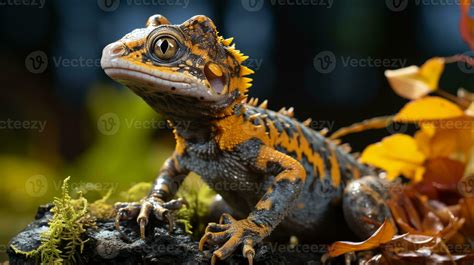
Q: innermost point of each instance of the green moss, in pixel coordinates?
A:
(62, 242)
(199, 197)
(137, 192)
(101, 209)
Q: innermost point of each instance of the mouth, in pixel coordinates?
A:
(155, 81)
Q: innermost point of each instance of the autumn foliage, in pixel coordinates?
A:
(434, 212)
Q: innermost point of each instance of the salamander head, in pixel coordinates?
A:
(185, 70)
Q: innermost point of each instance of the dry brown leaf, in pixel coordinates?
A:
(384, 234)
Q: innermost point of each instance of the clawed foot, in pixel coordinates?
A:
(142, 210)
(231, 233)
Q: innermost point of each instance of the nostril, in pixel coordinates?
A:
(116, 49)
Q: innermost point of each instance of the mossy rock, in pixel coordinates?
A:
(106, 245)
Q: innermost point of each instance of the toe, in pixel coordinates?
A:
(228, 248)
(213, 227)
(248, 251)
(226, 219)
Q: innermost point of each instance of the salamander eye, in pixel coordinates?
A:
(165, 48)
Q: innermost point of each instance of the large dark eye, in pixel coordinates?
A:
(165, 48)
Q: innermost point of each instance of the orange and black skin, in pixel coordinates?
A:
(278, 176)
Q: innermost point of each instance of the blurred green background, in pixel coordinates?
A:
(66, 118)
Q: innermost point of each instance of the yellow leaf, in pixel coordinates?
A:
(397, 154)
(450, 138)
(383, 235)
(431, 71)
(428, 108)
(414, 82)
(470, 110)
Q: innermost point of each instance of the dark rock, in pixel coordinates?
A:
(106, 245)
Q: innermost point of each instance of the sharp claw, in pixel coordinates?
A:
(204, 240)
(250, 258)
(248, 251)
(117, 220)
(214, 259)
(170, 219)
(142, 222)
(175, 204)
(226, 219)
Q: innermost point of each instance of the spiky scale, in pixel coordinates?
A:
(290, 112)
(264, 104)
(346, 147)
(228, 41)
(244, 70)
(254, 116)
(307, 122)
(255, 103)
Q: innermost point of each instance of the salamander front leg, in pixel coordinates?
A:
(158, 201)
(229, 234)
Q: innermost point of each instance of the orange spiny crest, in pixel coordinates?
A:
(244, 82)
(287, 112)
